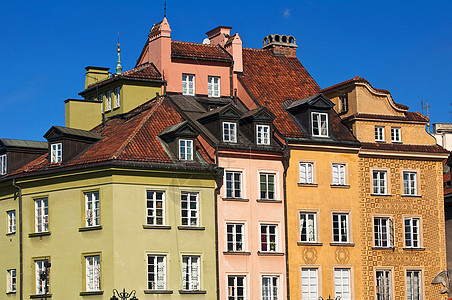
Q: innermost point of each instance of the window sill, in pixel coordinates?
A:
(270, 253)
(413, 249)
(412, 196)
(158, 291)
(268, 201)
(236, 253)
(35, 234)
(192, 292)
(116, 108)
(381, 195)
(156, 227)
(10, 293)
(308, 184)
(383, 248)
(382, 141)
(92, 293)
(236, 199)
(397, 142)
(90, 228)
(191, 228)
(11, 233)
(343, 244)
(341, 186)
(309, 244)
(40, 296)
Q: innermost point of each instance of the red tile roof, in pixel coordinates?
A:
(409, 116)
(199, 51)
(403, 147)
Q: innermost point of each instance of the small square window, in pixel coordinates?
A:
(306, 172)
(379, 134)
(410, 183)
(229, 132)
(379, 182)
(213, 86)
(56, 153)
(3, 164)
(185, 149)
(263, 134)
(396, 134)
(188, 84)
(235, 237)
(320, 124)
(308, 227)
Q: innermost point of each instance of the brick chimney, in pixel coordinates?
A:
(219, 35)
(281, 45)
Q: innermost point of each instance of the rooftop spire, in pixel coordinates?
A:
(164, 10)
(118, 65)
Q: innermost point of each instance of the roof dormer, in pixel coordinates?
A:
(17, 153)
(223, 122)
(181, 139)
(257, 125)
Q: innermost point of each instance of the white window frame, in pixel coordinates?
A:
(40, 287)
(117, 97)
(263, 134)
(321, 119)
(338, 174)
(185, 149)
(192, 217)
(11, 221)
(3, 164)
(412, 230)
(56, 152)
(383, 232)
(12, 281)
(410, 285)
(409, 183)
(265, 186)
(108, 105)
(92, 209)
(41, 215)
(191, 277)
(92, 273)
(155, 208)
(342, 283)
(311, 235)
(384, 289)
(229, 132)
(309, 282)
(396, 134)
(156, 268)
(341, 225)
(188, 84)
(213, 88)
(235, 189)
(270, 287)
(306, 172)
(380, 182)
(234, 289)
(235, 237)
(379, 133)
(265, 232)
(101, 99)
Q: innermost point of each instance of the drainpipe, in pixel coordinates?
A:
(21, 254)
(216, 193)
(231, 79)
(286, 157)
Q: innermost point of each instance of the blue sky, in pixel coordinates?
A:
(402, 46)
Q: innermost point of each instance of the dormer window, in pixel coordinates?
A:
(343, 101)
(117, 97)
(213, 86)
(229, 132)
(108, 100)
(56, 153)
(185, 149)
(263, 134)
(188, 84)
(319, 124)
(3, 164)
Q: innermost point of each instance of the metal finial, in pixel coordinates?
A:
(118, 65)
(428, 115)
(164, 10)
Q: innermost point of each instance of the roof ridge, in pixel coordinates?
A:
(196, 44)
(140, 125)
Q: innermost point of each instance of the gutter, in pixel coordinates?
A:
(21, 252)
(286, 158)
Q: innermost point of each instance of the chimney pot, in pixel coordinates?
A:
(281, 45)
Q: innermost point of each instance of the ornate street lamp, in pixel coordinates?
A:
(123, 295)
(329, 298)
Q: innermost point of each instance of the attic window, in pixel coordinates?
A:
(213, 86)
(229, 132)
(263, 134)
(343, 103)
(3, 164)
(56, 153)
(185, 149)
(188, 84)
(319, 124)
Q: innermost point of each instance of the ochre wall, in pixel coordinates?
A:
(82, 115)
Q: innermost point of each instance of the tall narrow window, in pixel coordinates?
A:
(338, 174)
(270, 289)
(185, 149)
(235, 237)
(11, 221)
(190, 209)
(343, 101)
(117, 97)
(155, 204)
(108, 101)
(191, 273)
(156, 272)
(92, 272)
(413, 285)
(412, 236)
(267, 186)
(396, 136)
(269, 238)
(92, 209)
(309, 283)
(383, 232)
(379, 182)
(263, 134)
(236, 287)
(384, 285)
(233, 184)
(409, 183)
(340, 228)
(3, 164)
(188, 84)
(41, 277)
(379, 134)
(229, 132)
(213, 86)
(308, 227)
(41, 215)
(12, 281)
(342, 283)
(319, 124)
(56, 153)
(306, 173)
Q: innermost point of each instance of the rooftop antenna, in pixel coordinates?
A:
(164, 10)
(118, 65)
(428, 115)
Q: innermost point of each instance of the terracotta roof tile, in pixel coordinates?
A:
(404, 147)
(409, 116)
(199, 51)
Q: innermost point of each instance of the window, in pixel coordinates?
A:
(11, 221)
(338, 174)
(412, 233)
(342, 283)
(3, 164)
(156, 272)
(236, 287)
(56, 153)
(101, 99)
(379, 134)
(12, 281)
(379, 182)
(308, 227)
(190, 273)
(92, 209)
(306, 173)
(319, 124)
(270, 288)
(41, 215)
(235, 237)
(42, 277)
(269, 238)
(340, 228)
(343, 101)
(267, 186)
(233, 184)
(190, 210)
(309, 284)
(108, 101)
(413, 285)
(117, 97)
(263, 134)
(188, 84)
(155, 205)
(185, 149)
(383, 232)
(384, 286)
(213, 86)
(92, 272)
(229, 132)
(396, 136)
(409, 183)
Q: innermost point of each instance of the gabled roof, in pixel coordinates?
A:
(260, 113)
(71, 132)
(318, 100)
(409, 116)
(228, 110)
(23, 144)
(199, 51)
